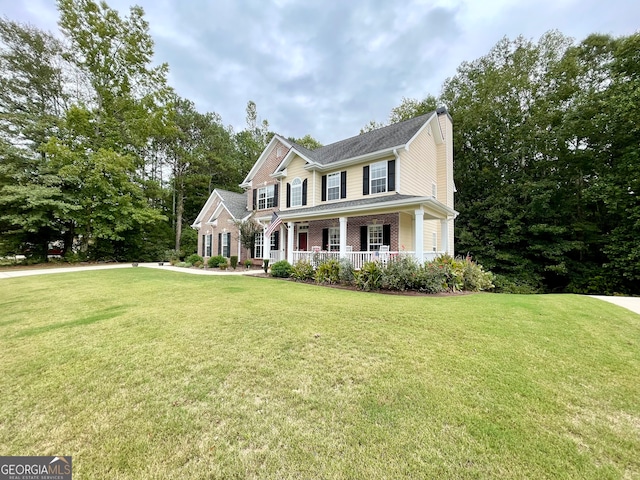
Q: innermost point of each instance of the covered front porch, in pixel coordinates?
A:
(420, 227)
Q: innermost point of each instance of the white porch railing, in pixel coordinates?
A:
(276, 256)
(358, 259)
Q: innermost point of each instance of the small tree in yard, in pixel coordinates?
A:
(247, 230)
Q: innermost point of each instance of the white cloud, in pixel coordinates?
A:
(327, 68)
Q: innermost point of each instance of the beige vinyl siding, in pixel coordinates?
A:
(445, 163)
(431, 226)
(418, 165)
(407, 232)
(295, 169)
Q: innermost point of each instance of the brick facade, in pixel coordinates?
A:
(353, 229)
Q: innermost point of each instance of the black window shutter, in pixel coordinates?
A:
(288, 194)
(255, 198)
(325, 239)
(220, 244)
(228, 244)
(365, 180)
(386, 235)
(277, 240)
(343, 184)
(364, 241)
(304, 192)
(391, 175)
(204, 245)
(275, 195)
(324, 187)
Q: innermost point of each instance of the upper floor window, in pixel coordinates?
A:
(379, 177)
(266, 197)
(333, 186)
(296, 193)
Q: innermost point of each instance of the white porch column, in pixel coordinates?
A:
(419, 240)
(444, 235)
(290, 242)
(343, 237)
(266, 245)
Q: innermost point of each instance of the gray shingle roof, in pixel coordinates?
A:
(373, 141)
(236, 203)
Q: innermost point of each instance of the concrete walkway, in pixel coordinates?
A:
(193, 271)
(630, 303)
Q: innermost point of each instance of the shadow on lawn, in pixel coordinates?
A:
(106, 314)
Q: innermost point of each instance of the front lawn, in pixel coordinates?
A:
(141, 373)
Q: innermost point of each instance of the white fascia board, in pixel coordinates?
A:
(263, 156)
(217, 211)
(206, 207)
(279, 174)
(424, 125)
(289, 157)
(387, 152)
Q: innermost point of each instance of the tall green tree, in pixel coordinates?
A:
(33, 99)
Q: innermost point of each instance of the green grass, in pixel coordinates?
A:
(154, 374)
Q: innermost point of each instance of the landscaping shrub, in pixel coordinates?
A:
(452, 270)
(172, 256)
(346, 274)
(430, 278)
(328, 271)
(216, 261)
(248, 263)
(506, 285)
(400, 274)
(475, 279)
(234, 261)
(303, 270)
(281, 269)
(265, 265)
(183, 264)
(194, 258)
(369, 277)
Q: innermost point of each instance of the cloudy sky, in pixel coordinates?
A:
(328, 67)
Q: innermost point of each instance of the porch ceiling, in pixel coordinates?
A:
(374, 205)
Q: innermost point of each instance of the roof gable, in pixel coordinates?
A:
(263, 158)
(234, 203)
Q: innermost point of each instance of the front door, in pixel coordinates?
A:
(302, 241)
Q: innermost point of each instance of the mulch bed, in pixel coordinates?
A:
(405, 293)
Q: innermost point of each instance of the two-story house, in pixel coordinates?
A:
(377, 194)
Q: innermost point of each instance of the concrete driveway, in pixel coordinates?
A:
(192, 271)
(630, 303)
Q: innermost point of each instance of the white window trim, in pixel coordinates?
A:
(370, 228)
(334, 233)
(371, 179)
(264, 194)
(208, 242)
(296, 186)
(334, 187)
(258, 247)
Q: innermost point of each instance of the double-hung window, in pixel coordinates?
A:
(379, 177)
(376, 237)
(258, 252)
(266, 197)
(334, 239)
(296, 193)
(207, 246)
(333, 186)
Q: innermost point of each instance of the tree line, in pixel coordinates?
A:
(547, 161)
